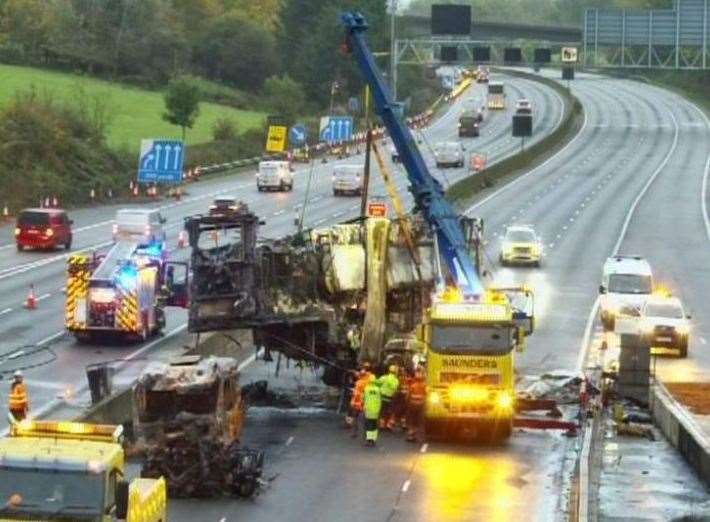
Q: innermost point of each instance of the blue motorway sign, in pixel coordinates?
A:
(297, 135)
(334, 129)
(161, 161)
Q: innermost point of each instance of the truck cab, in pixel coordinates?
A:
(627, 282)
(470, 379)
(496, 95)
(469, 125)
(274, 175)
(68, 471)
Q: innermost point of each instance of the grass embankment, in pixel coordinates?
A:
(133, 113)
(693, 85)
(518, 164)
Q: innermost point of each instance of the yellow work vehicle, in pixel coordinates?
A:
(470, 363)
(69, 471)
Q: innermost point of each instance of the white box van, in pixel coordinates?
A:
(274, 175)
(143, 225)
(627, 282)
(348, 179)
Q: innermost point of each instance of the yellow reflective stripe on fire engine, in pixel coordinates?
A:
(77, 287)
(127, 313)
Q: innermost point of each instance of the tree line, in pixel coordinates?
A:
(239, 43)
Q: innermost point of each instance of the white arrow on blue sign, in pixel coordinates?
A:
(297, 135)
(335, 129)
(161, 161)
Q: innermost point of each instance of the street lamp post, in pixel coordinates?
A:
(392, 7)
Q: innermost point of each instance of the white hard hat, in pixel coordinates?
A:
(18, 373)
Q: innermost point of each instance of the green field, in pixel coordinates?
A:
(133, 113)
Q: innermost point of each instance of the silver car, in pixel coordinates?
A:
(449, 154)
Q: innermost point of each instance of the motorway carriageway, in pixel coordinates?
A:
(59, 371)
(630, 182)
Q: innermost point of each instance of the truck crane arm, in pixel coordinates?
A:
(427, 191)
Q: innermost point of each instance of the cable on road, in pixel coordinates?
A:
(25, 351)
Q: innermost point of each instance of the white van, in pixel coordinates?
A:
(143, 225)
(348, 179)
(627, 282)
(274, 175)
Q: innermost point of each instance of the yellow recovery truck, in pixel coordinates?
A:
(470, 349)
(72, 472)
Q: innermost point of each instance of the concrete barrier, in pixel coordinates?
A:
(679, 427)
(118, 408)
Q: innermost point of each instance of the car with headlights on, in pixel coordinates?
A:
(665, 324)
(627, 282)
(521, 246)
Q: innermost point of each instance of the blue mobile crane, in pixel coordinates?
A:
(469, 333)
(426, 189)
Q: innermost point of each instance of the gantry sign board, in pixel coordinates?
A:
(161, 161)
(569, 55)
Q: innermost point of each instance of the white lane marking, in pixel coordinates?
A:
(279, 212)
(405, 486)
(51, 338)
(289, 441)
(584, 348)
(703, 198)
(43, 297)
(536, 169)
(424, 447)
(582, 356)
(20, 269)
(47, 407)
(645, 188)
(6, 311)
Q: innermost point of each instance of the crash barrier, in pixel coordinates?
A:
(458, 90)
(534, 155)
(582, 500)
(316, 150)
(681, 430)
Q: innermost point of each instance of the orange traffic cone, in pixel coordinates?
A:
(181, 239)
(31, 303)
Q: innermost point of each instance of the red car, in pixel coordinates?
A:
(44, 228)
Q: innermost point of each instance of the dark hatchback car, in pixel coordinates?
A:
(43, 228)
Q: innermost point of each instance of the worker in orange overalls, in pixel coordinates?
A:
(19, 403)
(357, 399)
(400, 399)
(415, 404)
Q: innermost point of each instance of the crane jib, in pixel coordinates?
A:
(428, 192)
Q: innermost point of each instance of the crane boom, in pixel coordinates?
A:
(426, 189)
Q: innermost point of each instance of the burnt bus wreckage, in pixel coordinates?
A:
(333, 294)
